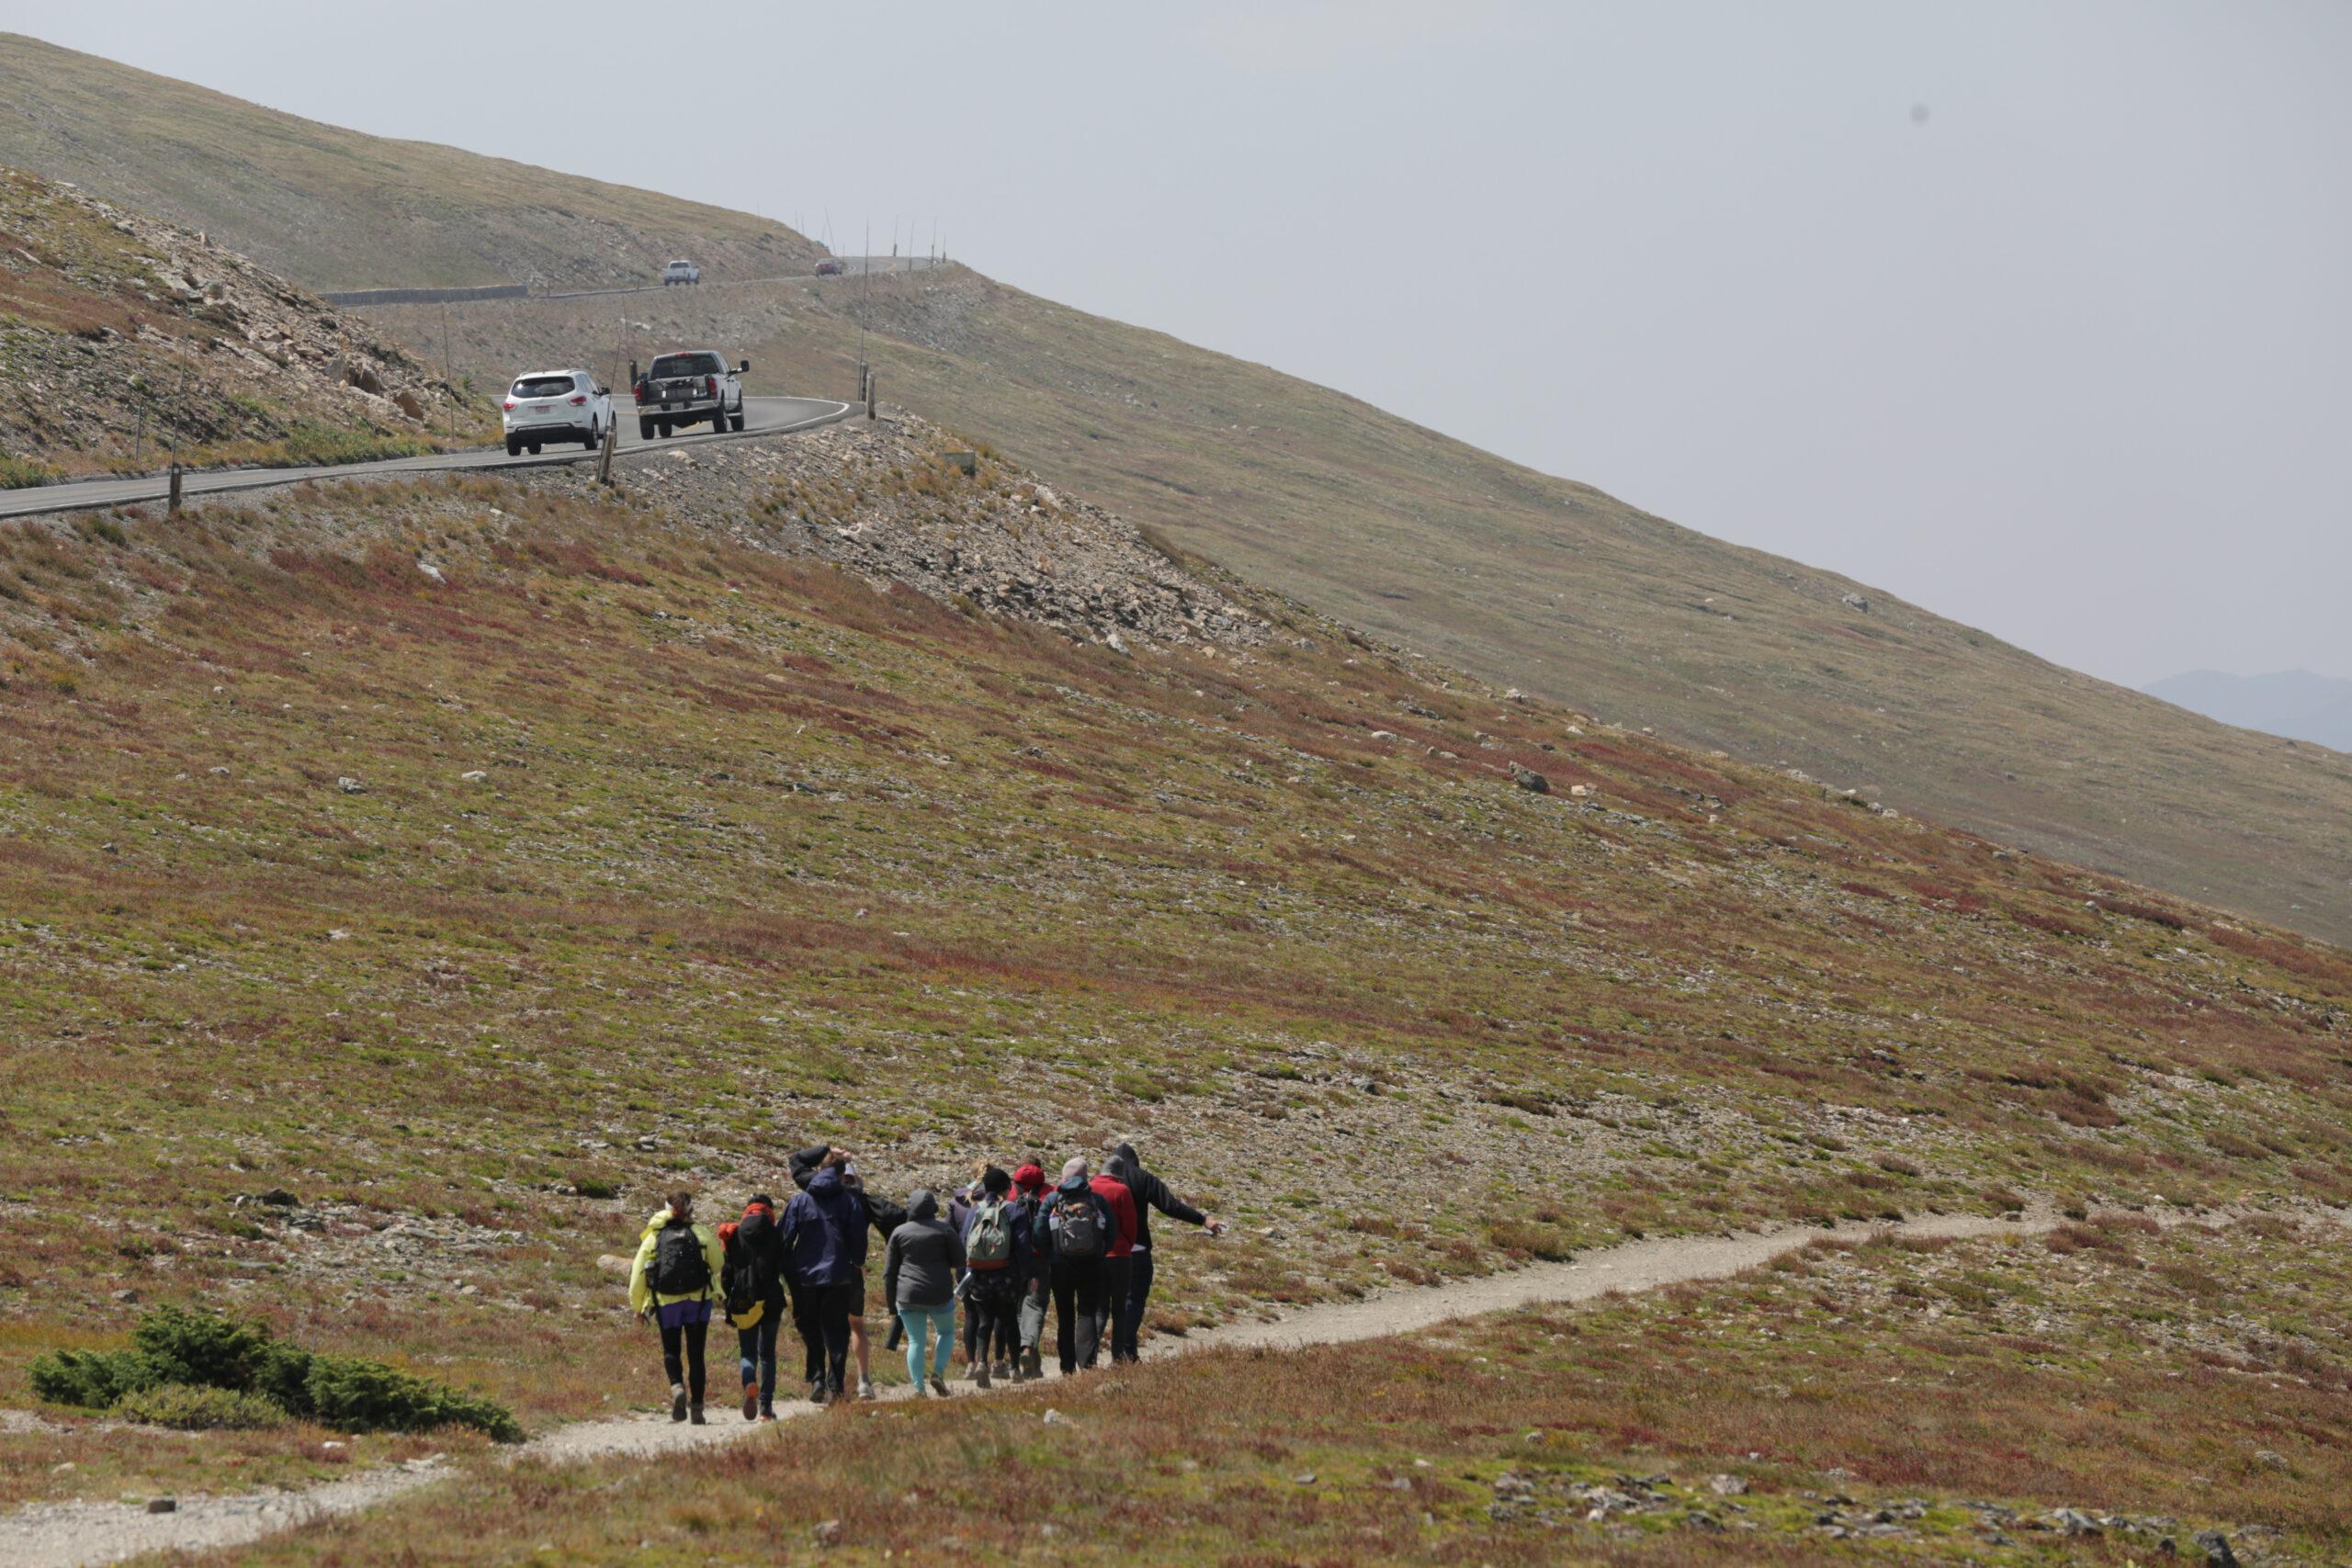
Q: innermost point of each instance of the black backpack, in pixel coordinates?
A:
(679, 1267)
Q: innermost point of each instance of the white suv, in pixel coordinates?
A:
(556, 405)
(681, 270)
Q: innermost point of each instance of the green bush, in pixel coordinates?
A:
(346, 1391)
(198, 1368)
(194, 1409)
(201, 1348)
(92, 1380)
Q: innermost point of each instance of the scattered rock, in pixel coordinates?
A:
(1727, 1486)
(474, 776)
(162, 1505)
(1855, 602)
(827, 1534)
(350, 786)
(613, 1263)
(2216, 1547)
(1530, 780)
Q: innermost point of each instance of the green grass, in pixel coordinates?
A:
(2165, 1384)
(760, 855)
(22, 473)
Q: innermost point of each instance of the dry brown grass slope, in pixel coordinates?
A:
(338, 208)
(1526, 578)
(1546, 585)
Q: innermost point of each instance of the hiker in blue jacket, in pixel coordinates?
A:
(824, 1240)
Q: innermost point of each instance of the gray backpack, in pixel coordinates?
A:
(1078, 1227)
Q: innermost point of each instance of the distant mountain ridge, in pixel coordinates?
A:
(338, 208)
(2296, 704)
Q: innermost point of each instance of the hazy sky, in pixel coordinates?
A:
(2039, 314)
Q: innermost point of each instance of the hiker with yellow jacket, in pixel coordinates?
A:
(672, 1284)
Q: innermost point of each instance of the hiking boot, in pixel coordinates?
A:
(767, 1411)
(751, 1402)
(980, 1373)
(1031, 1360)
(817, 1393)
(939, 1387)
(677, 1402)
(696, 1416)
(865, 1388)
(1003, 1369)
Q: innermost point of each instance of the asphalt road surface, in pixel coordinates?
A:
(763, 416)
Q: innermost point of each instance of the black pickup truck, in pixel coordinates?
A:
(690, 387)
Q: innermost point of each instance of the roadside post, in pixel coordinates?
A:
(173, 506)
(870, 379)
(604, 457)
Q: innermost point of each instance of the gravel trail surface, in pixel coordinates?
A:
(74, 1535)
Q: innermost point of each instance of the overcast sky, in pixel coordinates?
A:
(2038, 314)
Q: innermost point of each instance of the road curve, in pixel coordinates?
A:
(763, 416)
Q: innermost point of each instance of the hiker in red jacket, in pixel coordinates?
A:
(1119, 1261)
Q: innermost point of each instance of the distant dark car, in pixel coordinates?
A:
(829, 268)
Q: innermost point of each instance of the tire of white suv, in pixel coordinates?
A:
(514, 447)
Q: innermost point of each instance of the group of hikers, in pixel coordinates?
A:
(1008, 1245)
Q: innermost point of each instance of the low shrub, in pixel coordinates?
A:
(346, 1391)
(192, 1408)
(199, 1369)
(91, 1379)
(200, 1347)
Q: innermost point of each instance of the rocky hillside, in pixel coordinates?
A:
(339, 210)
(124, 340)
(1527, 580)
(1542, 583)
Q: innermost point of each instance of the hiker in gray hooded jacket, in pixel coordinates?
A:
(919, 1268)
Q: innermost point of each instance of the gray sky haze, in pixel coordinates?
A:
(2036, 314)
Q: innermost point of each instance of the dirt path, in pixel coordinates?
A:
(71, 1535)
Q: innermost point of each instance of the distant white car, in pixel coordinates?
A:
(556, 405)
(681, 270)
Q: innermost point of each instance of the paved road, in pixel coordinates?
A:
(763, 416)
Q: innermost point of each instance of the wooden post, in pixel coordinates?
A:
(870, 379)
(175, 503)
(604, 457)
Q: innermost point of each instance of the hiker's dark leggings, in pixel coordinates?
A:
(1081, 1290)
(832, 1324)
(694, 1334)
(1126, 1307)
(805, 1321)
(1116, 1271)
(991, 1314)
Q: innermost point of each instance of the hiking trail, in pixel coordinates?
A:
(75, 1535)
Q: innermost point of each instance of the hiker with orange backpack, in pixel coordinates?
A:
(671, 1283)
(753, 1281)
